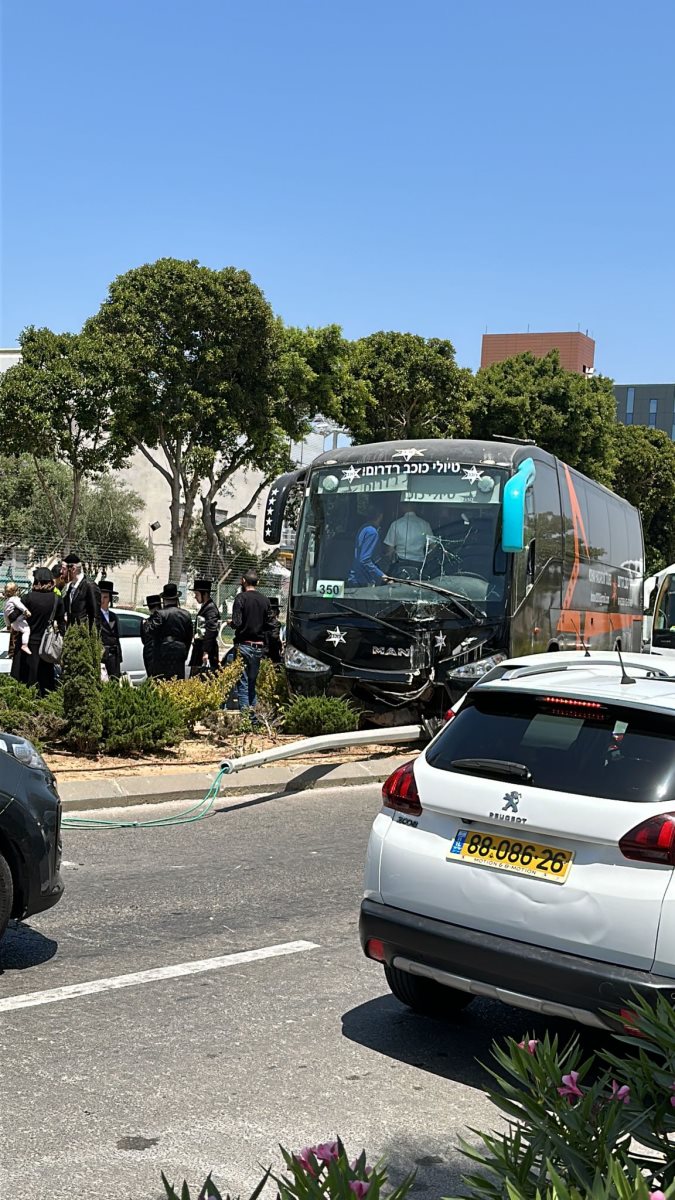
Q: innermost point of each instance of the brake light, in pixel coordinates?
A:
(563, 706)
(653, 841)
(449, 715)
(400, 791)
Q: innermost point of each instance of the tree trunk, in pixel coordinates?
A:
(72, 516)
(178, 539)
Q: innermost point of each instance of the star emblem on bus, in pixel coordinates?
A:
(439, 641)
(472, 475)
(408, 454)
(351, 474)
(335, 636)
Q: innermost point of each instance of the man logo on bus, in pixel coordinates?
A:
(512, 801)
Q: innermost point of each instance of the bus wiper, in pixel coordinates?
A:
(493, 766)
(466, 607)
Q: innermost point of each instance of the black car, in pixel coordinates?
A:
(30, 832)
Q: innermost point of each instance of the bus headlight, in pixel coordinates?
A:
(470, 672)
(296, 660)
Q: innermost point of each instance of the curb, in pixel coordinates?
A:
(191, 786)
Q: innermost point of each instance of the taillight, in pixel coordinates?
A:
(449, 714)
(375, 949)
(400, 791)
(652, 841)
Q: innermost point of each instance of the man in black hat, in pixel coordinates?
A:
(81, 599)
(149, 637)
(206, 628)
(172, 626)
(109, 629)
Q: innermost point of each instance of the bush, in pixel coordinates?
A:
(82, 702)
(272, 694)
(312, 1173)
(25, 713)
(195, 698)
(601, 1125)
(313, 715)
(136, 720)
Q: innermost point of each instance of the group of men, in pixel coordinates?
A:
(169, 631)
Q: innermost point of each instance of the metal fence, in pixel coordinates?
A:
(135, 581)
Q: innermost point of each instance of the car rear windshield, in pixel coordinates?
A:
(585, 747)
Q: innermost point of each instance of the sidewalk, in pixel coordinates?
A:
(190, 786)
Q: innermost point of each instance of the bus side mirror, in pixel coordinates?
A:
(513, 507)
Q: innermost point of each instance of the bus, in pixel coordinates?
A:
(420, 565)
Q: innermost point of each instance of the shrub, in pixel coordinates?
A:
(573, 1119)
(82, 702)
(313, 1173)
(23, 712)
(273, 694)
(136, 720)
(195, 698)
(313, 715)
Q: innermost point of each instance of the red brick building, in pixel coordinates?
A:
(577, 350)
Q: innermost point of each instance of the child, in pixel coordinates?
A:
(15, 613)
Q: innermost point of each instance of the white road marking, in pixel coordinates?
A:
(75, 990)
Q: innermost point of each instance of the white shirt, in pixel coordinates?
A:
(408, 537)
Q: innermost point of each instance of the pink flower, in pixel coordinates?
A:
(657, 1196)
(570, 1086)
(622, 1094)
(359, 1188)
(326, 1152)
(302, 1157)
(530, 1046)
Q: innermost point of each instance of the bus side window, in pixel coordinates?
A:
(549, 523)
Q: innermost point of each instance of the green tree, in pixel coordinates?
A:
(56, 401)
(106, 531)
(314, 378)
(570, 415)
(414, 389)
(645, 475)
(197, 381)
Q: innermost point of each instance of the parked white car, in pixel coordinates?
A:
(528, 854)
(130, 637)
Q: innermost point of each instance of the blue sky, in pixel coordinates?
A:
(438, 166)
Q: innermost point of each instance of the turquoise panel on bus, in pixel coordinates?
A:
(513, 507)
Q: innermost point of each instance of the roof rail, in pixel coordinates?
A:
(528, 670)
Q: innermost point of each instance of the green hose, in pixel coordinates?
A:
(196, 813)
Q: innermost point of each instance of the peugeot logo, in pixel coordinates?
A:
(511, 801)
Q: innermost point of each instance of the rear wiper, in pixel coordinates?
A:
(466, 607)
(493, 766)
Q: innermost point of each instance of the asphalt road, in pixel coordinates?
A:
(212, 1070)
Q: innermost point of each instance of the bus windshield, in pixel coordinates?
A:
(371, 535)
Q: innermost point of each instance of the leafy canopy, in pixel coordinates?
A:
(570, 415)
(414, 388)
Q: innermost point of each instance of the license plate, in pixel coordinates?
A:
(517, 855)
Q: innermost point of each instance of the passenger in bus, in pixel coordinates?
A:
(407, 539)
(367, 550)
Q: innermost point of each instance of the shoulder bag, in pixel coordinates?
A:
(51, 646)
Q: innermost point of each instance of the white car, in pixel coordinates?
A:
(130, 638)
(528, 854)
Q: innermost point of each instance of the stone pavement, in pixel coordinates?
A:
(118, 792)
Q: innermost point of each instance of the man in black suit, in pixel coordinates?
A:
(206, 627)
(82, 598)
(172, 627)
(149, 637)
(110, 632)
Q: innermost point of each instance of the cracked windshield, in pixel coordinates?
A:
(381, 537)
